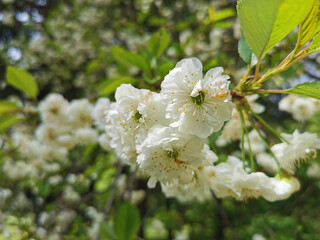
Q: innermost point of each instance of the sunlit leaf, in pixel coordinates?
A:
(307, 89)
(223, 14)
(266, 22)
(315, 45)
(105, 180)
(7, 106)
(308, 26)
(22, 80)
(128, 58)
(158, 42)
(7, 120)
(92, 66)
(165, 68)
(211, 13)
(110, 85)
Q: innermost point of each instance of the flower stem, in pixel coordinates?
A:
(252, 165)
(242, 137)
(271, 129)
(280, 91)
(263, 139)
(257, 69)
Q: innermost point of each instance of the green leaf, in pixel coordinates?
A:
(315, 45)
(164, 41)
(105, 180)
(106, 232)
(153, 43)
(110, 85)
(44, 189)
(92, 66)
(150, 79)
(223, 14)
(317, 29)
(6, 121)
(244, 50)
(307, 89)
(7, 106)
(264, 23)
(158, 43)
(308, 26)
(128, 58)
(164, 68)
(22, 80)
(211, 13)
(126, 221)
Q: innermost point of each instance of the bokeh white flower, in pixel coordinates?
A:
(302, 147)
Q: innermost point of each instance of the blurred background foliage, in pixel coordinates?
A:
(86, 49)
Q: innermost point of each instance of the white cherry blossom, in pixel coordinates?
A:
(314, 170)
(79, 113)
(85, 136)
(230, 179)
(197, 105)
(199, 189)
(168, 155)
(139, 110)
(122, 143)
(98, 112)
(301, 108)
(303, 146)
(268, 163)
(53, 109)
(280, 188)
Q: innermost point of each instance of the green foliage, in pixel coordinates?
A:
(7, 106)
(308, 26)
(7, 120)
(244, 50)
(164, 69)
(105, 180)
(44, 189)
(89, 49)
(307, 89)
(265, 23)
(315, 45)
(106, 231)
(126, 221)
(22, 80)
(110, 85)
(128, 58)
(223, 14)
(158, 43)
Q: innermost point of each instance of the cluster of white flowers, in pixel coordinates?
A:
(43, 153)
(301, 108)
(164, 136)
(64, 125)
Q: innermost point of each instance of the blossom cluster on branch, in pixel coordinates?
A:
(165, 134)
